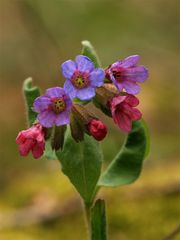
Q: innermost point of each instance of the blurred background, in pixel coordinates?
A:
(36, 36)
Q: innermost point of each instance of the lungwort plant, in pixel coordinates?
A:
(61, 127)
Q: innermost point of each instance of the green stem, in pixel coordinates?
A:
(87, 210)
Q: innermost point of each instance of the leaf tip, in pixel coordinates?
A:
(85, 43)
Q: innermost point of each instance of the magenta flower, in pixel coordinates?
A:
(81, 77)
(123, 111)
(53, 108)
(31, 139)
(125, 74)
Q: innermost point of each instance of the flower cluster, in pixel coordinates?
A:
(112, 90)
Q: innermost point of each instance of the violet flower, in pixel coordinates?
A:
(124, 112)
(125, 74)
(53, 108)
(81, 77)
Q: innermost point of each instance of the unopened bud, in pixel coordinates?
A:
(57, 137)
(97, 129)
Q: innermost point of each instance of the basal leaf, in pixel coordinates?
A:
(81, 162)
(98, 221)
(126, 167)
(89, 51)
(30, 94)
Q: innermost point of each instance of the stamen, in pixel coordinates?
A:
(80, 80)
(58, 105)
(117, 75)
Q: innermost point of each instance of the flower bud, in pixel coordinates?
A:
(97, 129)
(57, 137)
(80, 117)
(31, 139)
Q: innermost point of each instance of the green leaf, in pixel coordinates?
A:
(81, 162)
(126, 167)
(89, 51)
(30, 94)
(98, 221)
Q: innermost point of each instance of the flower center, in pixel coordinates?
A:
(80, 80)
(117, 75)
(58, 105)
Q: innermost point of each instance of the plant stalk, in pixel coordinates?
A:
(87, 210)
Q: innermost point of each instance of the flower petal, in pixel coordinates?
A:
(38, 149)
(119, 86)
(131, 87)
(41, 103)
(115, 102)
(25, 148)
(130, 61)
(136, 114)
(62, 119)
(135, 74)
(86, 93)
(68, 68)
(47, 118)
(132, 100)
(84, 64)
(68, 102)
(54, 92)
(97, 77)
(124, 122)
(21, 137)
(70, 89)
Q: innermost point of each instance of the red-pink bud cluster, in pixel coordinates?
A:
(31, 139)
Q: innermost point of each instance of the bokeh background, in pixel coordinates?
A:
(36, 36)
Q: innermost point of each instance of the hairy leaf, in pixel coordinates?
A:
(126, 167)
(30, 94)
(81, 162)
(89, 51)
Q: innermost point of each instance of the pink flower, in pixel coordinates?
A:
(126, 74)
(31, 139)
(97, 129)
(123, 111)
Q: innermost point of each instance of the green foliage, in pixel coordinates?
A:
(98, 221)
(81, 162)
(30, 94)
(89, 51)
(126, 166)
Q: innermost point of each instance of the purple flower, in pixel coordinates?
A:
(81, 77)
(125, 74)
(53, 108)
